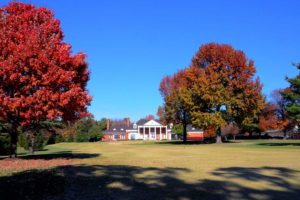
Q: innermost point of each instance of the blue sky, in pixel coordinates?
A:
(132, 45)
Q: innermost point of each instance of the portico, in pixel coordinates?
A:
(153, 130)
(142, 130)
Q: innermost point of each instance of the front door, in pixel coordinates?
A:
(152, 136)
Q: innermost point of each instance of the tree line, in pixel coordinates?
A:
(86, 129)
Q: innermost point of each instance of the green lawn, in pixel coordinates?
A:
(260, 169)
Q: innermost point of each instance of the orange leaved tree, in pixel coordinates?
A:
(177, 99)
(271, 120)
(226, 92)
(216, 90)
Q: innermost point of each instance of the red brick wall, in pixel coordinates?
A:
(195, 136)
(157, 136)
(106, 138)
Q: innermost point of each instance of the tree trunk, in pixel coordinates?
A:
(233, 137)
(284, 134)
(225, 138)
(31, 145)
(184, 133)
(219, 136)
(13, 142)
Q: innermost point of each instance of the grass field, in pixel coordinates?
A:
(260, 169)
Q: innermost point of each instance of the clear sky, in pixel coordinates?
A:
(131, 45)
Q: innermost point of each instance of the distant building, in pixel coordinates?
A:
(194, 134)
(142, 130)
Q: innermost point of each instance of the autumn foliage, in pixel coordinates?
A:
(149, 117)
(217, 89)
(161, 115)
(269, 120)
(40, 78)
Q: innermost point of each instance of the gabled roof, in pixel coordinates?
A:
(152, 123)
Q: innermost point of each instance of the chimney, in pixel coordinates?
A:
(107, 124)
(127, 121)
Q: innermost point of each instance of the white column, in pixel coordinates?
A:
(155, 131)
(148, 133)
(144, 132)
(160, 133)
(167, 133)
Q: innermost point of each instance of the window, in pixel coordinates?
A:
(117, 137)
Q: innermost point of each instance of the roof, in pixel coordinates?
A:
(113, 132)
(141, 122)
(119, 128)
(122, 127)
(151, 122)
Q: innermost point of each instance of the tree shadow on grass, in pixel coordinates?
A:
(131, 182)
(279, 144)
(195, 142)
(60, 154)
(181, 142)
(272, 177)
(55, 155)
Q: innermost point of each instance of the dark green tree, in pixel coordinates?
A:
(292, 97)
(88, 129)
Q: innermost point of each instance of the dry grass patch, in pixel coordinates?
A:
(13, 165)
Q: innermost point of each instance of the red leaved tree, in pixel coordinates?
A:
(270, 120)
(40, 79)
(148, 117)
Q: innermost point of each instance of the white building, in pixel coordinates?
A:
(142, 130)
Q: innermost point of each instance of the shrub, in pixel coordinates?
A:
(82, 137)
(69, 133)
(84, 130)
(51, 139)
(69, 138)
(95, 134)
(4, 144)
(59, 138)
(23, 141)
(39, 142)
